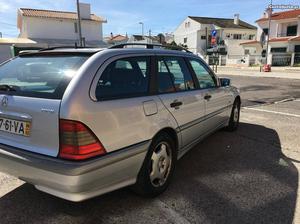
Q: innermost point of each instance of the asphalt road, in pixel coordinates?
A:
(265, 90)
(249, 176)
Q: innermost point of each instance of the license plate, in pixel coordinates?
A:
(15, 126)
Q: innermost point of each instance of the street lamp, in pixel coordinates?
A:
(141, 23)
(270, 9)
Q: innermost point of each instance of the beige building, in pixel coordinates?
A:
(60, 27)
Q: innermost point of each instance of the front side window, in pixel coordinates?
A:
(124, 78)
(39, 76)
(173, 75)
(204, 77)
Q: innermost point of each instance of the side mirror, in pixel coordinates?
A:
(224, 82)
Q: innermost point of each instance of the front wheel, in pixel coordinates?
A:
(158, 167)
(234, 117)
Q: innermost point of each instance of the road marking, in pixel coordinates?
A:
(273, 112)
(285, 100)
(171, 213)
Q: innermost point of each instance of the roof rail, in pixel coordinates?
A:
(151, 46)
(62, 47)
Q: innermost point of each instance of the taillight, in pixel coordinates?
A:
(77, 141)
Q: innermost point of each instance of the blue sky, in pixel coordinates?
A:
(124, 15)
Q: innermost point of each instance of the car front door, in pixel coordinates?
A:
(179, 94)
(218, 100)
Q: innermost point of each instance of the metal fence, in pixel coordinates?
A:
(297, 59)
(281, 59)
(213, 60)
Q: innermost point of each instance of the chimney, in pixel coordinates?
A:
(85, 10)
(111, 35)
(236, 19)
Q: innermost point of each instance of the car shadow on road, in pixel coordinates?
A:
(239, 177)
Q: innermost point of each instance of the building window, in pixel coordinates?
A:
(266, 31)
(75, 28)
(187, 24)
(247, 51)
(237, 36)
(203, 37)
(185, 40)
(278, 50)
(251, 37)
(292, 30)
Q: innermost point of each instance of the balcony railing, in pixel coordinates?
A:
(286, 34)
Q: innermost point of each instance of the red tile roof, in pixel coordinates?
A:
(283, 15)
(56, 14)
(119, 38)
(280, 39)
(295, 39)
(250, 42)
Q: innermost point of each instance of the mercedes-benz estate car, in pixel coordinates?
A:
(77, 123)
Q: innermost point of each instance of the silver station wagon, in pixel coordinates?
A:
(77, 122)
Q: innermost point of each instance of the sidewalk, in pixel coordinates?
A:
(277, 72)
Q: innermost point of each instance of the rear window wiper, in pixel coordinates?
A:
(7, 88)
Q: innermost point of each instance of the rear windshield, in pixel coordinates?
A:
(39, 76)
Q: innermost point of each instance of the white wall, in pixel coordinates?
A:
(195, 30)
(5, 53)
(191, 33)
(59, 29)
(278, 27)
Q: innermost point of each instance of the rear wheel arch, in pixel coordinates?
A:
(172, 133)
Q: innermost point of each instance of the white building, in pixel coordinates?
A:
(59, 27)
(195, 32)
(143, 39)
(284, 38)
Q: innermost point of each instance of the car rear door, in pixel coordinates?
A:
(218, 100)
(178, 92)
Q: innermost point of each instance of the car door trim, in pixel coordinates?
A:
(204, 118)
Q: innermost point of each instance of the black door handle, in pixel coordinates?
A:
(176, 104)
(207, 97)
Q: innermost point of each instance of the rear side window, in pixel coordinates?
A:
(39, 76)
(203, 75)
(173, 75)
(124, 78)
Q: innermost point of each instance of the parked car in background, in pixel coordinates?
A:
(78, 123)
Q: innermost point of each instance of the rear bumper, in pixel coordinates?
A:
(75, 181)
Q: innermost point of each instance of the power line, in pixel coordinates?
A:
(8, 24)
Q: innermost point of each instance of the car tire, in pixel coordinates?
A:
(234, 116)
(158, 167)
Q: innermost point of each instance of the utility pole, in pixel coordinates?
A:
(79, 24)
(206, 39)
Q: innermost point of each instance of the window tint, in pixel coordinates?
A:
(40, 76)
(173, 75)
(124, 77)
(204, 77)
